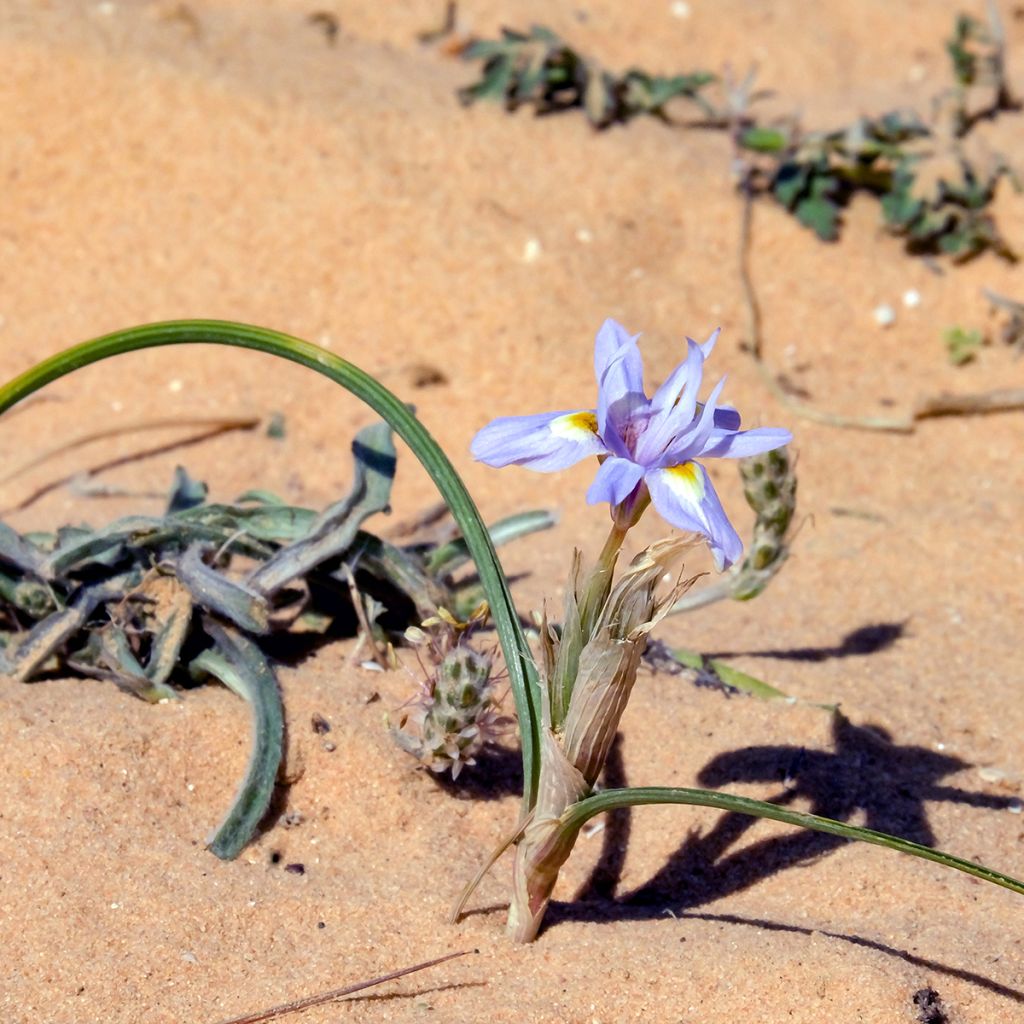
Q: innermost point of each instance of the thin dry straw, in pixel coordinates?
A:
(326, 997)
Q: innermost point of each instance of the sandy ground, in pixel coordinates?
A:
(164, 160)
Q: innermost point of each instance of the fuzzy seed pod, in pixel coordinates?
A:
(769, 483)
(455, 714)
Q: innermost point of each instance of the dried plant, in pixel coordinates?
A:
(456, 712)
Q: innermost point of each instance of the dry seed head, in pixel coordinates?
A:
(455, 713)
(769, 483)
(610, 656)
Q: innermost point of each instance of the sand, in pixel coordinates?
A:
(202, 159)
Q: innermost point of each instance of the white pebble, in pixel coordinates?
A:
(584, 236)
(189, 957)
(911, 298)
(531, 251)
(116, 405)
(679, 9)
(885, 316)
(175, 385)
(106, 8)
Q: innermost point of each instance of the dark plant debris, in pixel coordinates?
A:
(929, 1007)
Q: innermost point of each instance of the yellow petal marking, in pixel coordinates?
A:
(686, 480)
(577, 426)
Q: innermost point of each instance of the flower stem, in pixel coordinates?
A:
(612, 546)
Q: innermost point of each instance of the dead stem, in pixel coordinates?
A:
(135, 427)
(214, 427)
(326, 997)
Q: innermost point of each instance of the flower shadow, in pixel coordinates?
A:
(860, 642)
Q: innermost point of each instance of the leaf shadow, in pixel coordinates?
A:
(865, 777)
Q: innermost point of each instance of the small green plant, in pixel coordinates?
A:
(538, 69)
(962, 345)
(568, 706)
(939, 202)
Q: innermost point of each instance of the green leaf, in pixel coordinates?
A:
(239, 664)
(820, 215)
(899, 207)
(729, 676)
(611, 799)
(764, 140)
(790, 181)
(185, 492)
(240, 603)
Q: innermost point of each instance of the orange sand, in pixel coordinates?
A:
(164, 159)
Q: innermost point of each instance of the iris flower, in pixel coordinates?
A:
(647, 447)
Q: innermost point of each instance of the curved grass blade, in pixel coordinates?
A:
(611, 799)
(521, 669)
(239, 664)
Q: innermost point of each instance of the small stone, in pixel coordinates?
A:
(295, 869)
(531, 250)
(679, 9)
(885, 316)
(584, 236)
(174, 386)
(911, 298)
